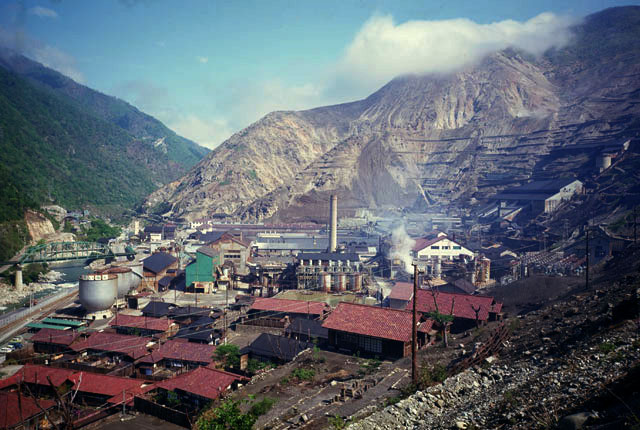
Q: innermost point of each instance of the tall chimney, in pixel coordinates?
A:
(333, 238)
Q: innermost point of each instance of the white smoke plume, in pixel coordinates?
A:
(401, 247)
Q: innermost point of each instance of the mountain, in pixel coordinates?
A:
(141, 126)
(428, 141)
(65, 143)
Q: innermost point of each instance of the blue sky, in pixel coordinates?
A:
(210, 68)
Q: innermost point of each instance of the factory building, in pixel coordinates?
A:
(538, 196)
(439, 247)
(329, 271)
(231, 250)
(157, 267)
(200, 272)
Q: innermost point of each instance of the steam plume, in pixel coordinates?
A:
(401, 247)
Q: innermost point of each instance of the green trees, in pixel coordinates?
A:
(228, 355)
(228, 415)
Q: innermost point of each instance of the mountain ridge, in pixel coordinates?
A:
(425, 140)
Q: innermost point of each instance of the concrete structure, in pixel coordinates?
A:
(312, 270)
(333, 230)
(98, 292)
(18, 281)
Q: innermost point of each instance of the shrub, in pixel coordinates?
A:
(262, 407)
(302, 374)
(606, 347)
(225, 416)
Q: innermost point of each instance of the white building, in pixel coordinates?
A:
(441, 246)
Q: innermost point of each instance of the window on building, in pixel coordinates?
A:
(457, 247)
(445, 247)
(370, 344)
(435, 246)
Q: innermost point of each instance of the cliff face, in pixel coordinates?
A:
(39, 226)
(426, 140)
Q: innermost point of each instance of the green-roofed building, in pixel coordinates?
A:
(200, 272)
(33, 327)
(63, 322)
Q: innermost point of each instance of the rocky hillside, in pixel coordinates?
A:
(574, 363)
(426, 140)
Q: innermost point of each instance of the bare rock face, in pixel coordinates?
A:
(425, 140)
(39, 226)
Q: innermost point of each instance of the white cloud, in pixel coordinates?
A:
(209, 132)
(203, 60)
(43, 12)
(48, 55)
(383, 49)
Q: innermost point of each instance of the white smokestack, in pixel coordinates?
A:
(333, 234)
(402, 246)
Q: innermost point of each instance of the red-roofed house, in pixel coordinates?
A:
(400, 295)
(37, 378)
(440, 246)
(177, 354)
(277, 309)
(159, 328)
(468, 310)
(52, 341)
(372, 330)
(202, 385)
(21, 412)
(116, 346)
(96, 389)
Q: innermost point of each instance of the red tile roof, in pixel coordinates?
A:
(181, 350)
(288, 306)
(203, 381)
(148, 323)
(10, 409)
(372, 321)
(36, 374)
(57, 337)
(132, 346)
(402, 291)
(463, 304)
(106, 385)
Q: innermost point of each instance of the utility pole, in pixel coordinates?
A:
(414, 328)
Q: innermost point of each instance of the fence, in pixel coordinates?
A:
(167, 414)
(6, 320)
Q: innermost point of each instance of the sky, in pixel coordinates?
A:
(208, 69)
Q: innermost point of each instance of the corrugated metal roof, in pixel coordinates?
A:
(288, 306)
(158, 262)
(278, 347)
(203, 381)
(463, 304)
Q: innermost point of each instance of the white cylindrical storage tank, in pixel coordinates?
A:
(98, 292)
(125, 279)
